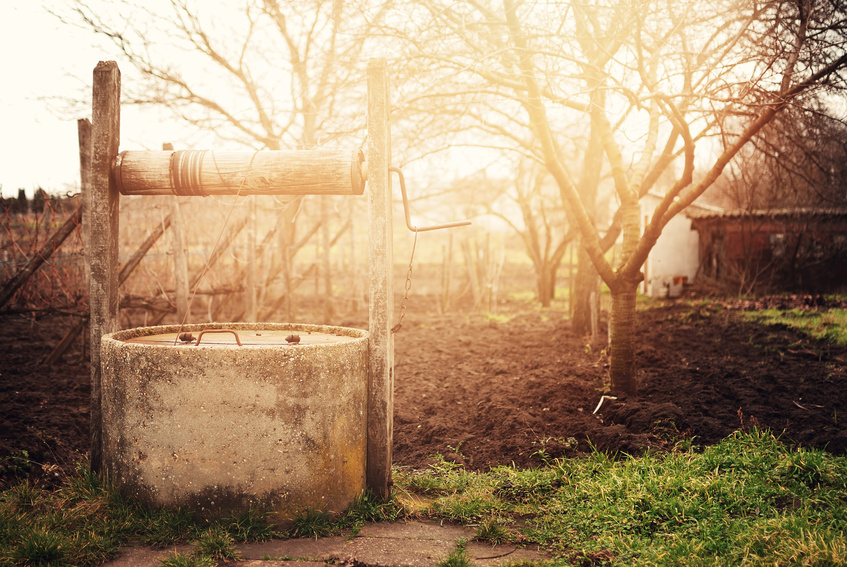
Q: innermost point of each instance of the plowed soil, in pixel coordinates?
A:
(485, 392)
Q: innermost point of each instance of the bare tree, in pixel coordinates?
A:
(798, 160)
(264, 74)
(542, 225)
(650, 81)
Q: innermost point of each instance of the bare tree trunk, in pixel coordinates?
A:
(446, 268)
(587, 278)
(469, 250)
(545, 279)
(623, 316)
(587, 283)
(595, 321)
(622, 340)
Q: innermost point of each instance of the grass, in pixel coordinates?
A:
(750, 500)
(84, 522)
(458, 557)
(829, 326)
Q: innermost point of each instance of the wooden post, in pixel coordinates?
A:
(102, 206)
(180, 256)
(380, 273)
(84, 136)
(198, 276)
(471, 252)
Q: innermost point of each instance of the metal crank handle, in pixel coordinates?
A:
(408, 214)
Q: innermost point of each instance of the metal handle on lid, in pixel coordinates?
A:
(237, 340)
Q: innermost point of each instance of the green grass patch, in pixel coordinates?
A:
(829, 326)
(749, 500)
(457, 558)
(85, 521)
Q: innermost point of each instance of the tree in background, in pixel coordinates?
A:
(798, 160)
(649, 82)
(541, 223)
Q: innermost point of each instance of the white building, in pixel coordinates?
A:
(675, 258)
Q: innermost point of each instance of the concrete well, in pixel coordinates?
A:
(273, 425)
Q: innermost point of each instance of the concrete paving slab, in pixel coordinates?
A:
(410, 544)
(312, 549)
(416, 530)
(390, 552)
(145, 556)
(260, 563)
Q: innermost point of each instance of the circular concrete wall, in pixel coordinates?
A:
(277, 425)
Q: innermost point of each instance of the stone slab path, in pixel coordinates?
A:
(411, 544)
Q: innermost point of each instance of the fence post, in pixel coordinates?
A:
(103, 211)
(84, 136)
(381, 274)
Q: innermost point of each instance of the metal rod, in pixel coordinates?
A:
(408, 213)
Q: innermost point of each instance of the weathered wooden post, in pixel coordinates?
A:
(380, 272)
(84, 136)
(102, 208)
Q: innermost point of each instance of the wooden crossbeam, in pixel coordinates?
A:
(206, 172)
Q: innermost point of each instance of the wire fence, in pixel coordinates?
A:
(235, 246)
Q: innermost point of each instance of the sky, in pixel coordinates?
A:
(43, 61)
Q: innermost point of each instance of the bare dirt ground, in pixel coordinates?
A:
(486, 392)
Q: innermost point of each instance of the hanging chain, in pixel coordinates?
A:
(408, 286)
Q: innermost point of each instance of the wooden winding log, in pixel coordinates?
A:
(206, 172)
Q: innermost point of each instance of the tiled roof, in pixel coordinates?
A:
(804, 212)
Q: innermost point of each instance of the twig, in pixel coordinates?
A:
(600, 403)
